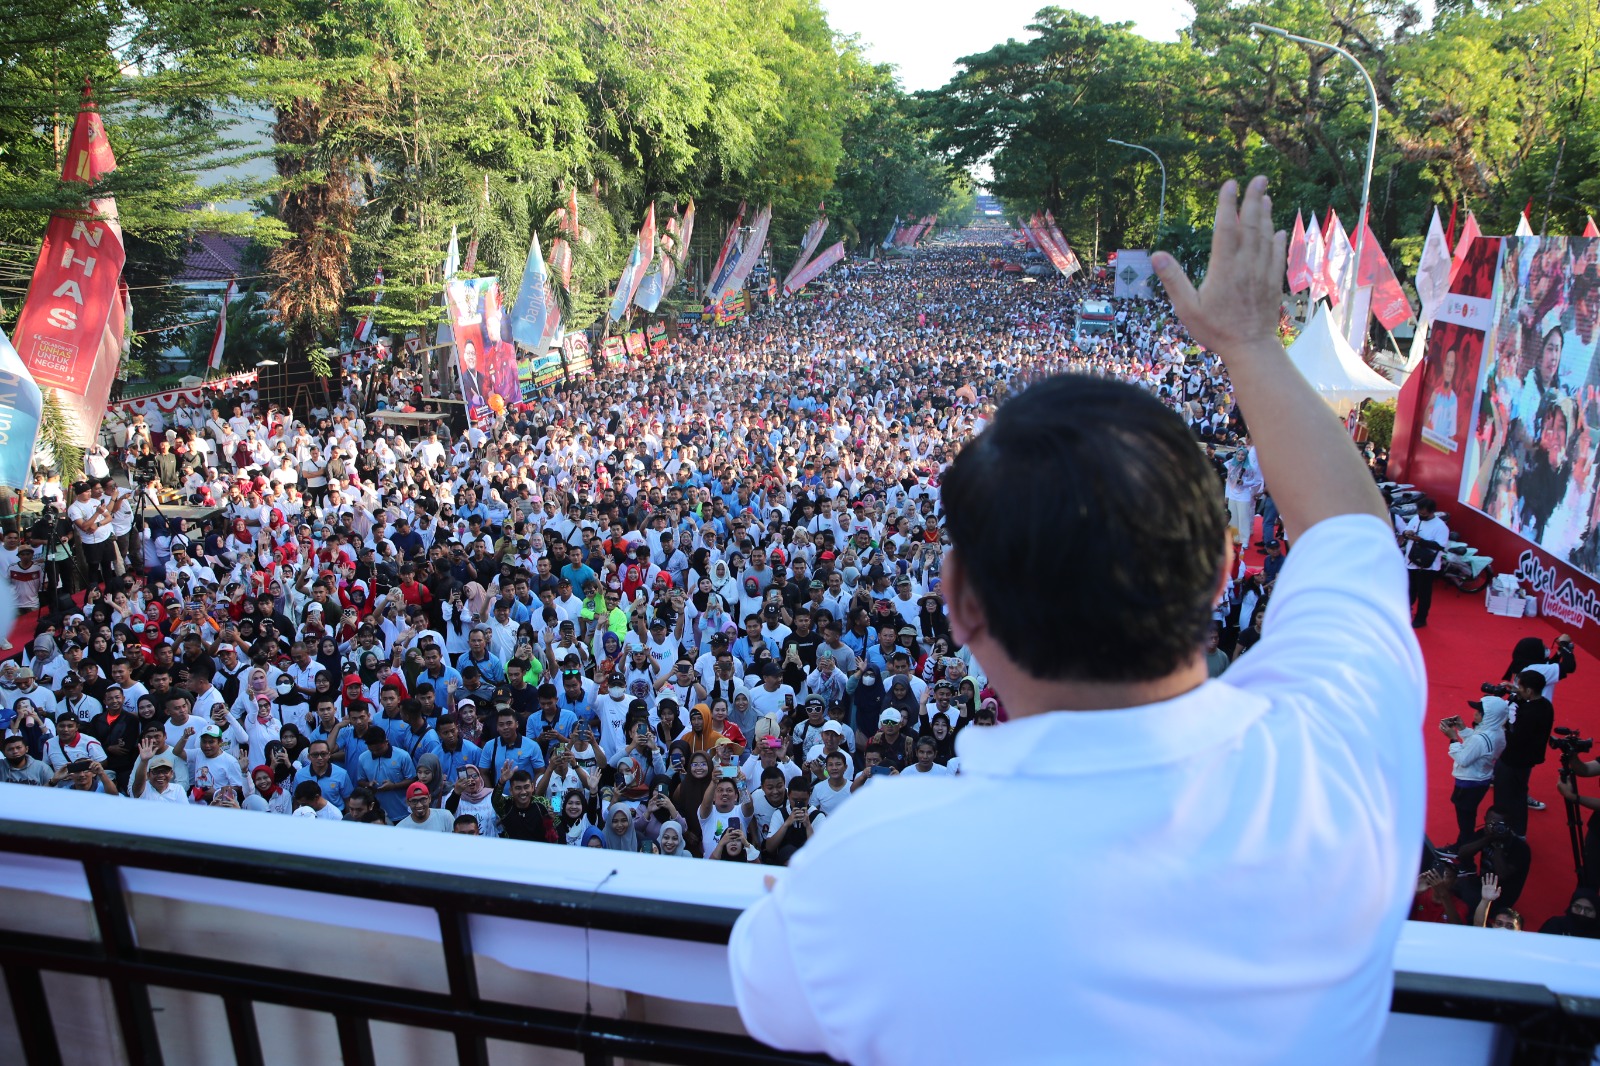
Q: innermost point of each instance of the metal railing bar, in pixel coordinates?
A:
(455, 936)
(135, 1019)
(32, 1012)
(355, 1040)
(695, 922)
(242, 1028)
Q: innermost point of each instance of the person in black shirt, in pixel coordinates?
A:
(1499, 851)
(1526, 744)
(522, 817)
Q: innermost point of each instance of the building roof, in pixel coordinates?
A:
(212, 257)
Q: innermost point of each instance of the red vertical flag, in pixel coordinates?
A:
(1299, 271)
(1590, 229)
(69, 333)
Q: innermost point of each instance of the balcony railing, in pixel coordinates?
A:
(138, 933)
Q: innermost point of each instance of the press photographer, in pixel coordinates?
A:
(1532, 718)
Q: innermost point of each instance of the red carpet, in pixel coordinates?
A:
(1464, 645)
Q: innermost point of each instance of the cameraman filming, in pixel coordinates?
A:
(1532, 719)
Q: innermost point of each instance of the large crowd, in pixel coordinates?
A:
(686, 606)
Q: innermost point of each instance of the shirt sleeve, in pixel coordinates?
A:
(1337, 642)
(766, 986)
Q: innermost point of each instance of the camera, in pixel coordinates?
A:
(78, 766)
(144, 469)
(1505, 692)
(1568, 742)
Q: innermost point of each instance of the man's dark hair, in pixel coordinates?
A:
(1532, 680)
(306, 792)
(464, 820)
(1091, 485)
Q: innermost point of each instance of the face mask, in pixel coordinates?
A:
(869, 681)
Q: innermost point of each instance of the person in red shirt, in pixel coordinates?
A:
(416, 594)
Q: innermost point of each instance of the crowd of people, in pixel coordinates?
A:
(686, 606)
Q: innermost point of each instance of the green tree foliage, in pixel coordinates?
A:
(1489, 105)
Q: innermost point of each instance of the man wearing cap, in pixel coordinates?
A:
(28, 686)
(211, 769)
(155, 774)
(420, 814)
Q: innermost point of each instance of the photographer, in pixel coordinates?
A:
(1525, 749)
(1473, 754)
(1423, 537)
(1500, 853)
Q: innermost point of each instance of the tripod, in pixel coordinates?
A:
(141, 498)
(1574, 825)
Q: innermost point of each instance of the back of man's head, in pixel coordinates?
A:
(1093, 490)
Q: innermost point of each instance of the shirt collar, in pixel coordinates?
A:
(1096, 742)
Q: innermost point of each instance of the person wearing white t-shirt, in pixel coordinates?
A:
(1156, 919)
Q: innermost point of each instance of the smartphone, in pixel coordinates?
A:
(735, 823)
(730, 772)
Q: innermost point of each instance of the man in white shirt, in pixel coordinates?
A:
(1424, 536)
(1255, 926)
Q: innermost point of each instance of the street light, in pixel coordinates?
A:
(1161, 216)
(1372, 136)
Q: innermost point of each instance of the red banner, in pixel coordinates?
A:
(1389, 303)
(822, 262)
(69, 333)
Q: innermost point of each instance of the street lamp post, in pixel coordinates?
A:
(1372, 136)
(1161, 215)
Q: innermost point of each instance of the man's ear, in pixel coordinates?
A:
(962, 607)
(1230, 560)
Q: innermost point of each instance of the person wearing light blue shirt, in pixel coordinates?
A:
(523, 752)
(386, 770)
(334, 782)
(443, 679)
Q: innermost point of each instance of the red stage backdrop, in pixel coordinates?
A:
(1501, 423)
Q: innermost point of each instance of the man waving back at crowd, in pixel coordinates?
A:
(1141, 865)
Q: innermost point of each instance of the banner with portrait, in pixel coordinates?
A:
(635, 342)
(1530, 461)
(575, 352)
(614, 353)
(655, 335)
(486, 360)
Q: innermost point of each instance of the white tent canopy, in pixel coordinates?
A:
(1326, 360)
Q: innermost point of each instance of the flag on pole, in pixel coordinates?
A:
(1590, 229)
(685, 233)
(644, 248)
(1316, 260)
(808, 247)
(364, 331)
(726, 258)
(220, 340)
(1469, 233)
(1524, 229)
(812, 269)
(452, 256)
(894, 228)
(739, 269)
(1433, 272)
(1341, 260)
(21, 405)
(70, 333)
(1299, 274)
(1388, 301)
(536, 313)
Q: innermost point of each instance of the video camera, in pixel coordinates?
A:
(1568, 742)
(144, 470)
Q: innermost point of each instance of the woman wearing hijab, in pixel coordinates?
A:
(672, 842)
(867, 703)
(328, 656)
(472, 795)
(1530, 653)
(901, 698)
(611, 657)
(272, 794)
(619, 832)
(255, 687)
(1473, 753)
(592, 838)
(573, 820)
(431, 773)
(1582, 917)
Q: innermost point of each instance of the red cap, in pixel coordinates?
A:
(416, 789)
(351, 679)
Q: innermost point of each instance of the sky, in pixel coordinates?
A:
(924, 38)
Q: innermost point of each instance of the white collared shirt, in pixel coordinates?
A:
(1224, 872)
